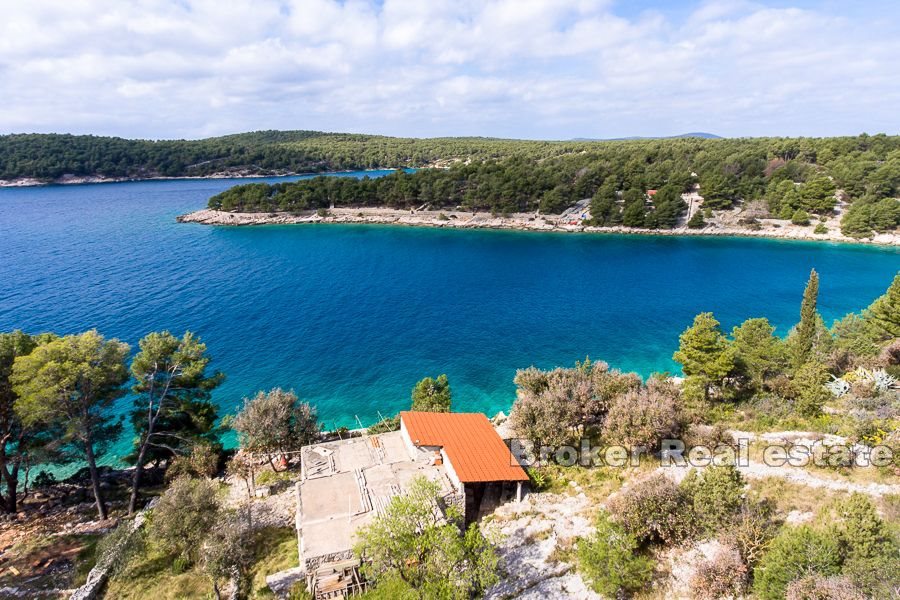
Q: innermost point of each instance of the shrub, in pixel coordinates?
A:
(876, 576)
(203, 461)
(708, 436)
(386, 425)
(116, 549)
(715, 495)
(609, 562)
(795, 553)
(44, 479)
(872, 550)
(653, 511)
(809, 388)
(800, 217)
(861, 527)
(820, 229)
(696, 221)
(817, 587)
(723, 575)
(552, 406)
(643, 418)
(185, 514)
(751, 532)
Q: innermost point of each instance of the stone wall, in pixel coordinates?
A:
(100, 573)
(316, 561)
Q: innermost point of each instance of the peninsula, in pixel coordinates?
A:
(835, 189)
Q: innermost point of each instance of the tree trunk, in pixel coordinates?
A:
(10, 502)
(136, 479)
(95, 479)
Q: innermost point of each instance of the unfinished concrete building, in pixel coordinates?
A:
(347, 483)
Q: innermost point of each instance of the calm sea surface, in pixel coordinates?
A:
(352, 316)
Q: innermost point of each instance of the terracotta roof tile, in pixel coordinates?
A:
(472, 445)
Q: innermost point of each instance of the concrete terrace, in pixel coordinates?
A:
(345, 484)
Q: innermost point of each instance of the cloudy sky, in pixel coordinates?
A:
(553, 69)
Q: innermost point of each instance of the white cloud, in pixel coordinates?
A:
(523, 68)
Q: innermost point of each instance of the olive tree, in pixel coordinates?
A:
(276, 422)
(184, 516)
(553, 406)
(227, 553)
(414, 541)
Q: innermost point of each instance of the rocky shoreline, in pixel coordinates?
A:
(767, 228)
(84, 179)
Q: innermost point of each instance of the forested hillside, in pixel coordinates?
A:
(634, 183)
(49, 156)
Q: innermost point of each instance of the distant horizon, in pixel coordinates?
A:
(537, 70)
(692, 134)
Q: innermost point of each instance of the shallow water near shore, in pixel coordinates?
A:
(351, 316)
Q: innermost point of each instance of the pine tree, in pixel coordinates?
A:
(805, 334)
(884, 314)
(705, 354)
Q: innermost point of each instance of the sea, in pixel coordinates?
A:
(351, 316)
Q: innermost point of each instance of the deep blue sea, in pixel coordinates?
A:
(352, 316)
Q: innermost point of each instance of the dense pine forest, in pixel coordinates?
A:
(634, 183)
(50, 156)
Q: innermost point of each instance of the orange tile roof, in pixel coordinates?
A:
(472, 445)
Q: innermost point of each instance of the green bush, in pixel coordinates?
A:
(715, 496)
(653, 511)
(820, 229)
(800, 217)
(185, 514)
(809, 388)
(386, 425)
(696, 221)
(795, 553)
(872, 550)
(609, 561)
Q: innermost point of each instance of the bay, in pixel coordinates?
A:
(351, 316)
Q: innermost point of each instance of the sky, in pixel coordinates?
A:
(542, 69)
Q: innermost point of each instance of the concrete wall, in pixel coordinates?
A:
(410, 446)
(451, 472)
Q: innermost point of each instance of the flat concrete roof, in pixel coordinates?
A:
(347, 483)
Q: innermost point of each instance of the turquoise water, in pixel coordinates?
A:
(352, 316)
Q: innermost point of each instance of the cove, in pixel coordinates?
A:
(351, 316)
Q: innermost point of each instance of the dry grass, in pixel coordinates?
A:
(786, 496)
